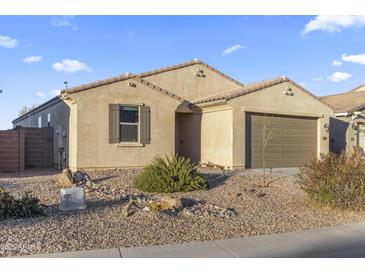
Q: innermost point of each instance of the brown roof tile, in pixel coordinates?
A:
(249, 88)
(107, 81)
(350, 101)
(126, 76)
(163, 91)
(186, 64)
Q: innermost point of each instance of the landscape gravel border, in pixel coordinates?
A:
(281, 207)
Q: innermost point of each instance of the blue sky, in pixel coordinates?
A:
(39, 53)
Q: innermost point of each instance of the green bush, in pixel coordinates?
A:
(336, 180)
(26, 206)
(170, 174)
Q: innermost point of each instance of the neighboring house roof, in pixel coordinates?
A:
(249, 88)
(351, 101)
(51, 102)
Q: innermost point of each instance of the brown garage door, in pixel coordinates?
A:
(293, 140)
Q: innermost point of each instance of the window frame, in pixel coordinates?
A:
(126, 123)
(39, 121)
(48, 119)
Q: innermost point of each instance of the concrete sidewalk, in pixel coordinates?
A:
(333, 242)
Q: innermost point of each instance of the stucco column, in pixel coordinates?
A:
(323, 137)
(238, 141)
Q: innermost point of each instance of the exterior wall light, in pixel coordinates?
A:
(326, 127)
(288, 91)
(200, 73)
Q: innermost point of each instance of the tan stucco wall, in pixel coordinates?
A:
(73, 130)
(59, 119)
(185, 83)
(217, 135)
(272, 100)
(92, 143)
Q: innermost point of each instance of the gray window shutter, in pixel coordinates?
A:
(145, 127)
(113, 124)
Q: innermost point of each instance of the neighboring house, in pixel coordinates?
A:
(191, 109)
(348, 122)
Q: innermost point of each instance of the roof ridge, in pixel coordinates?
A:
(353, 90)
(186, 64)
(221, 73)
(345, 92)
(106, 81)
(255, 86)
(128, 75)
(159, 89)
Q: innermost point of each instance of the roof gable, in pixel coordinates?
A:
(187, 64)
(128, 75)
(253, 87)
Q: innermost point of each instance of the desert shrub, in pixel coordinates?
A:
(335, 180)
(26, 206)
(155, 207)
(170, 174)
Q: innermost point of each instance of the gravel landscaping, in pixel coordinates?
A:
(234, 206)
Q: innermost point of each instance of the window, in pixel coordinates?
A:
(39, 121)
(49, 119)
(129, 124)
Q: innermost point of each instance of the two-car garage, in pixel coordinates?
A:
(279, 140)
(298, 122)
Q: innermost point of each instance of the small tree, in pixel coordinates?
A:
(266, 137)
(26, 109)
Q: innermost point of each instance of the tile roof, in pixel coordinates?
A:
(249, 88)
(127, 75)
(163, 91)
(94, 84)
(58, 98)
(351, 101)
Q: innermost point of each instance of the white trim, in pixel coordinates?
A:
(341, 114)
(286, 113)
(39, 121)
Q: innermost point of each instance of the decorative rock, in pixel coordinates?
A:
(249, 189)
(170, 203)
(66, 179)
(127, 210)
(187, 212)
(260, 194)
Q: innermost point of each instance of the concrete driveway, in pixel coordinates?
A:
(345, 241)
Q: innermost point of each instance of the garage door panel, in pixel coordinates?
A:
(293, 140)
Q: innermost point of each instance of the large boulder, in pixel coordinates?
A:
(66, 179)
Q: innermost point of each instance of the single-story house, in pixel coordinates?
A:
(348, 122)
(191, 109)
